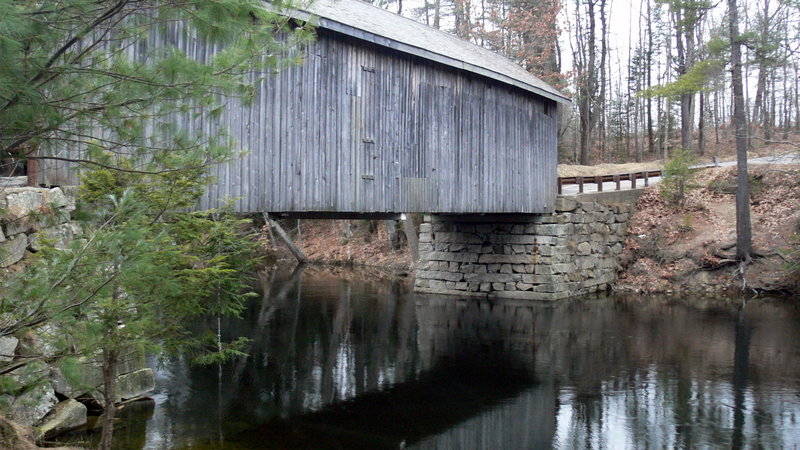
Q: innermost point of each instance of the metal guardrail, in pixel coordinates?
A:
(600, 179)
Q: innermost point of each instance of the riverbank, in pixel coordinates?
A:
(346, 243)
(692, 248)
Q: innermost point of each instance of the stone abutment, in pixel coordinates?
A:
(570, 252)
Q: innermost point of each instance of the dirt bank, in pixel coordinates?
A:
(347, 242)
(692, 248)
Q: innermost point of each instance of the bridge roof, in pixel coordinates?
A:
(368, 22)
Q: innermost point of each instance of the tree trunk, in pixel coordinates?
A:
(650, 138)
(743, 227)
(701, 136)
(110, 362)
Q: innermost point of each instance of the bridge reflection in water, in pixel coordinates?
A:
(350, 360)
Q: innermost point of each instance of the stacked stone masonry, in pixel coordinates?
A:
(29, 215)
(570, 252)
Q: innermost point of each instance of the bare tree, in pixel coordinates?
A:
(743, 226)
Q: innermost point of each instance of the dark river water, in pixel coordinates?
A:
(354, 360)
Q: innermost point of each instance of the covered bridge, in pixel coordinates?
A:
(387, 115)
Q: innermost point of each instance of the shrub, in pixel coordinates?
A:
(677, 177)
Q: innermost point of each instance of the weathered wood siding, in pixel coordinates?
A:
(362, 128)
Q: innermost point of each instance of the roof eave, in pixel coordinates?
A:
(423, 53)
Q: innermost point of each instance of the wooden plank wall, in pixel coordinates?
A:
(362, 128)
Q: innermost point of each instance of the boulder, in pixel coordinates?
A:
(8, 344)
(135, 384)
(13, 250)
(29, 374)
(33, 404)
(66, 416)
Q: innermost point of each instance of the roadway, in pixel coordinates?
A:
(588, 186)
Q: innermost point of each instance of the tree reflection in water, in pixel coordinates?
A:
(354, 360)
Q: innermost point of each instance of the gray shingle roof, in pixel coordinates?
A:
(365, 21)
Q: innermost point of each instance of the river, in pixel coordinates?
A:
(342, 359)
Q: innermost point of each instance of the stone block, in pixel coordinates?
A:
(55, 198)
(596, 237)
(425, 228)
(467, 268)
(66, 416)
(621, 218)
(437, 275)
(510, 286)
(491, 277)
(425, 237)
(589, 206)
(546, 240)
(13, 249)
(517, 229)
(563, 268)
(454, 267)
(506, 268)
(545, 218)
(481, 268)
(537, 279)
(438, 285)
(8, 344)
(513, 238)
(505, 259)
(445, 256)
(425, 247)
(584, 248)
(457, 247)
(619, 229)
(462, 286)
(493, 268)
(485, 287)
(555, 229)
(498, 286)
(565, 203)
(518, 268)
(523, 286)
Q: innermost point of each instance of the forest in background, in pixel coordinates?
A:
(645, 88)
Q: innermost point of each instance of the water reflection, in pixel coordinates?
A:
(354, 360)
